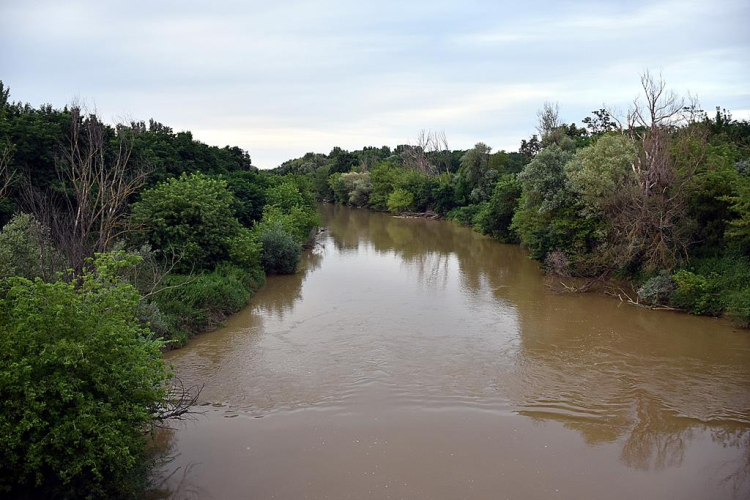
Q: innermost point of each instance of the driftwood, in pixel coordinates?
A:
(419, 215)
(610, 288)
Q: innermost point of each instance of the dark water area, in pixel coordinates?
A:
(416, 359)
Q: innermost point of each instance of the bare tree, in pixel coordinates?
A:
(98, 175)
(549, 119)
(7, 175)
(430, 146)
(653, 216)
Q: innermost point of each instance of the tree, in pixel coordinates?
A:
(98, 177)
(26, 249)
(192, 216)
(548, 120)
(281, 253)
(400, 200)
(496, 216)
(476, 172)
(7, 174)
(602, 175)
(671, 146)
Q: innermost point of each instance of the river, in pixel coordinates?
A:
(417, 359)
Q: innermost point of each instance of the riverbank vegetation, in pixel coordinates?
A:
(657, 201)
(118, 242)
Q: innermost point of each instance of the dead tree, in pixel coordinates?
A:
(7, 175)
(549, 119)
(653, 218)
(430, 145)
(98, 175)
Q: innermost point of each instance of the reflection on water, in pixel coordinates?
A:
(444, 344)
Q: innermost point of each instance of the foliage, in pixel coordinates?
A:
(281, 253)
(249, 189)
(544, 181)
(599, 173)
(353, 188)
(245, 251)
(657, 289)
(465, 215)
(696, 293)
(192, 216)
(400, 200)
(477, 173)
(384, 178)
(80, 379)
(192, 303)
(496, 216)
(25, 248)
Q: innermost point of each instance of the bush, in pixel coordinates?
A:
(465, 215)
(496, 216)
(738, 307)
(245, 250)
(192, 216)
(80, 379)
(656, 290)
(281, 253)
(190, 304)
(400, 200)
(24, 247)
(696, 294)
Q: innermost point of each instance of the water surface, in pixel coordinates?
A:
(416, 359)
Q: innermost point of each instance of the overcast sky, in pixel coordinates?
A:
(283, 78)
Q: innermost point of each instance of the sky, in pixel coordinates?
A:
(280, 78)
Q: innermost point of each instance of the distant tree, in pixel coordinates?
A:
(601, 123)
(548, 120)
(530, 148)
(476, 172)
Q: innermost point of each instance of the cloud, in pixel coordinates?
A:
(284, 78)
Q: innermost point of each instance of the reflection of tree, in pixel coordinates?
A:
(738, 475)
(170, 480)
(282, 291)
(658, 438)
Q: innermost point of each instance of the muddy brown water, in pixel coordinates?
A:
(416, 359)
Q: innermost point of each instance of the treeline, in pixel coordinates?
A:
(116, 243)
(653, 207)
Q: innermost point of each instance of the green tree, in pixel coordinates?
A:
(496, 216)
(601, 173)
(192, 216)
(476, 172)
(281, 253)
(400, 200)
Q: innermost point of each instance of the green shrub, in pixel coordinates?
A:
(496, 216)
(400, 200)
(281, 253)
(193, 303)
(80, 380)
(245, 250)
(696, 293)
(738, 306)
(465, 215)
